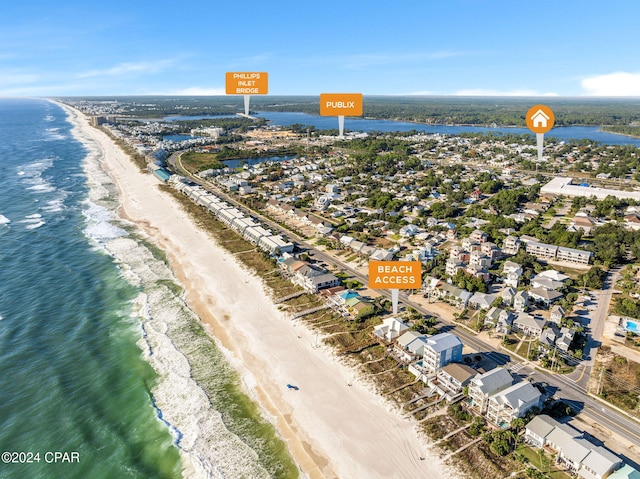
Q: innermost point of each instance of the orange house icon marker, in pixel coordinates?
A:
(540, 119)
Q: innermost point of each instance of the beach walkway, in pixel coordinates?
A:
(288, 297)
(309, 311)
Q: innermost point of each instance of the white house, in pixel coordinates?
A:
(452, 378)
(528, 324)
(574, 451)
(520, 300)
(390, 329)
(511, 245)
(557, 313)
(485, 385)
(512, 402)
(410, 346)
(512, 272)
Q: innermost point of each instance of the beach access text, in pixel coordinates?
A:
(395, 274)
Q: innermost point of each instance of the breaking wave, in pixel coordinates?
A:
(168, 329)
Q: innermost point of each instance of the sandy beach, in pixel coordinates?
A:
(332, 429)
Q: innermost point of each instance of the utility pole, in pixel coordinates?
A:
(598, 391)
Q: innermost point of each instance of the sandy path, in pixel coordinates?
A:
(332, 429)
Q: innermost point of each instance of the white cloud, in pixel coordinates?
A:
(490, 92)
(612, 84)
(129, 68)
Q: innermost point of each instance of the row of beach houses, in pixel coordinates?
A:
(577, 452)
(437, 361)
(499, 397)
(250, 229)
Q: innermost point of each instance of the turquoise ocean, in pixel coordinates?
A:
(98, 351)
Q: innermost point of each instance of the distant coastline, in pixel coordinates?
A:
(604, 128)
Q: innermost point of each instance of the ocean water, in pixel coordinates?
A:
(73, 378)
(101, 358)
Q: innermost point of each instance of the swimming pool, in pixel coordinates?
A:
(632, 326)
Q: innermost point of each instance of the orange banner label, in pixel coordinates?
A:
(395, 274)
(540, 119)
(247, 83)
(341, 104)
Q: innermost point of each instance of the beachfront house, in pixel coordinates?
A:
(440, 350)
(360, 308)
(452, 378)
(571, 449)
(485, 385)
(409, 346)
(390, 329)
(512, 402)
(313, 278)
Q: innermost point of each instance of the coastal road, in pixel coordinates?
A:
(597, 311)
(562, 387)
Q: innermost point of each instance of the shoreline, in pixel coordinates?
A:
(331, 429)
(628, 135)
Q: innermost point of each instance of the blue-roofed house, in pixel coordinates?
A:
(440, 350)
(625, 472)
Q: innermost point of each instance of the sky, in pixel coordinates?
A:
(374, 47)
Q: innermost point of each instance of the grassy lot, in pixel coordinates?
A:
(620, 380)
(541, 461)
(195, 162)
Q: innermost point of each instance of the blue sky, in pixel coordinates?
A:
(438, 47)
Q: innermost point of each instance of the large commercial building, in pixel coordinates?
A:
(563, 186)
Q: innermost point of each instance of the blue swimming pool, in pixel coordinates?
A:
(632, 326)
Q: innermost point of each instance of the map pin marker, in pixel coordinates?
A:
(247, 84)
(341, 105)
(540, 119)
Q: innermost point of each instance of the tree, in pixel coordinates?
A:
(500, 447)
(517, 424)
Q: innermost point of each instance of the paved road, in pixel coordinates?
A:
(597, 311)
(562, 387)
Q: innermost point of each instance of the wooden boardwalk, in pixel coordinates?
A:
(288, 297)
(309, 311)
